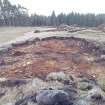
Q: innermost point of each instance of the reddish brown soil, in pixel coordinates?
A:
(71, 55)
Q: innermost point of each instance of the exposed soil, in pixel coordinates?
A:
(71, 55)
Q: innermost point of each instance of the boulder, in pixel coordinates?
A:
(37, 31)
(96, 94)
(59, 76)
(53, 97)
(85, 86)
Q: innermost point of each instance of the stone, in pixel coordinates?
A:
(59, 76)
(37, 31)
(53, 97)
(83, 102)
(85, 86)
(27, 99)
(96, 94)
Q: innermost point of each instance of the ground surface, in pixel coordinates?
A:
(40, 57)
(10, 33)
(71, 55)
(61, 60)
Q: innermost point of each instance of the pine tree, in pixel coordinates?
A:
(53, 19)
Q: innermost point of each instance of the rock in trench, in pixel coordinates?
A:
(53, 97)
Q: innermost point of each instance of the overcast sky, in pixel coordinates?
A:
(45, 7)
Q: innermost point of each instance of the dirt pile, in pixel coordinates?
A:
(71, 55)
(72, 28)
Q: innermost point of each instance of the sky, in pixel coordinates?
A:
(45, 7)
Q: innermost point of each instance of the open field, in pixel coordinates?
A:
(10, 33)
(92, 35)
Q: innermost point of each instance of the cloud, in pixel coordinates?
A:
(47, 6)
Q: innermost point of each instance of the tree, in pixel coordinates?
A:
(53, 19)
(61, 19)
(6, 11)
(12, 15)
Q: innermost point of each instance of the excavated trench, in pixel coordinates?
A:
(38, 58)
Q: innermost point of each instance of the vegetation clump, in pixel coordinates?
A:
(36, 31)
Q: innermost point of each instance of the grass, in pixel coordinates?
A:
(9, 33)
(91, 34)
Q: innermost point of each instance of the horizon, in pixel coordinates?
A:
(46, 7)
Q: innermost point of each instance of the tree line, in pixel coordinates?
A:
(16, 15)
(12, 15)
